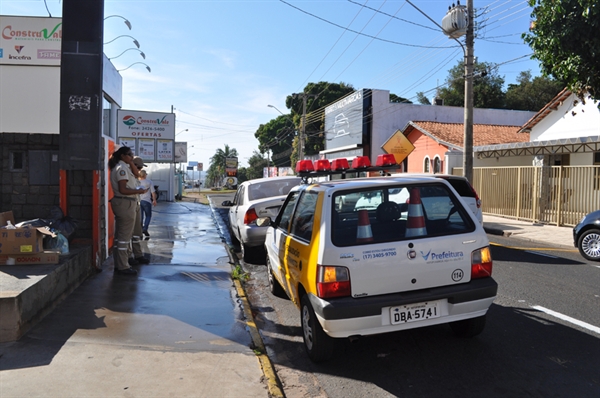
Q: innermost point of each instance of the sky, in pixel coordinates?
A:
(219, 64)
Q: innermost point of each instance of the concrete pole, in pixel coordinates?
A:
(303, 131)
(468, 135)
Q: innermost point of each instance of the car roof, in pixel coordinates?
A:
(370, 182)
(261, 180)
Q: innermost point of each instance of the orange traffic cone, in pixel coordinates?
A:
(363, 231)
(415, 225)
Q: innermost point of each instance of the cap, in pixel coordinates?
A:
(139, 162)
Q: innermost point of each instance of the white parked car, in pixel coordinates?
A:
(376, 255)
(256, 198)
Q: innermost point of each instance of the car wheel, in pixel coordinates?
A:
(589, 244)
(274, 285)
(234, 240)
(247, 253)
(468, 327)
(318, 344)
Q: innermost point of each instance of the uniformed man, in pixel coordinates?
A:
(125, 206)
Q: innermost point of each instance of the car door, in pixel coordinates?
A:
(275, 240)
(301, 245)
(234, 219)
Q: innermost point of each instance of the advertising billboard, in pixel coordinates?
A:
(344, 122)
(152, 133)
(30, 40)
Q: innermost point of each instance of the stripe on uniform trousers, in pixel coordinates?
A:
(121, 245)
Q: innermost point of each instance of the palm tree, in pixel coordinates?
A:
(216, 171)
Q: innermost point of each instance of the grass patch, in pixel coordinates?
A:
(239, 274)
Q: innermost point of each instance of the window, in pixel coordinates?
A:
(426, 164)
(389, 212)
(106, 117)
(285, 214)
(302, 223)
(437, 165)
(17, 161)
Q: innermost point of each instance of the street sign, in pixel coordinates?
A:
(399, 146)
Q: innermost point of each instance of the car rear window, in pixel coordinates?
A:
(270, 188)
(463, 187)
(397, 213)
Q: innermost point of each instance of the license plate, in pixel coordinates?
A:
(414, 312)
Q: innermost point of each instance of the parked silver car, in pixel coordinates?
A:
(261, 197)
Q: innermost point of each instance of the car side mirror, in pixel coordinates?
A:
(227, 203)
(264, 221)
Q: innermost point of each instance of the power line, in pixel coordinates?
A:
(362, 34)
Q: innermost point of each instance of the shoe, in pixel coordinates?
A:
(126, 271)
(142, 260)
(145, 232)
(133, 261)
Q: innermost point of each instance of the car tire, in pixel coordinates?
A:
(234, 240)
(274, 285)
(589, 244)
(247, 253)
(468, 327)
(318, 344)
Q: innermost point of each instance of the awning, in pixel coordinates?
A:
(532, 148)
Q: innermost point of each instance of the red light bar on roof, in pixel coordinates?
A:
(385, 160)
(361, 162)
(322, 165)
(304, 166)
(340, 164)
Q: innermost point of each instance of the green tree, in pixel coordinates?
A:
(216, 170)
(326, 93)
(565, 39)
(277, 135)
(256, 163)
(422, 99)
(487, 86)
(531, 94)
(397, 100)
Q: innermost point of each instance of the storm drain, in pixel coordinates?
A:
(209, 277)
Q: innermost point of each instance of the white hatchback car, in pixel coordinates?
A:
(260, 197)
(357, 259)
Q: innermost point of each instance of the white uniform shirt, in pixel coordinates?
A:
(122, 171)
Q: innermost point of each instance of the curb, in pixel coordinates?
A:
(273, 383)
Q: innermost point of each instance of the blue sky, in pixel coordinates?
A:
(220, 63)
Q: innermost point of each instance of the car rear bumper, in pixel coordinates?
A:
(253, 235)
(371, 315)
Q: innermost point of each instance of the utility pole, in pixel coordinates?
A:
(303, 130)
(468, 136)
(453, 26)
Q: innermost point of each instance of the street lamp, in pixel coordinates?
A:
(147, 67)
(134, 40)
(125, 19)
(180, 132)
(132, 48)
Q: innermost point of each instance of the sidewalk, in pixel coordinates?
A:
(179, 328)
(548, 234)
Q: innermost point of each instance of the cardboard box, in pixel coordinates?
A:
(46, 257)
(26, 240)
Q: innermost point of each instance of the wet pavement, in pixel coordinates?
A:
(176, 329)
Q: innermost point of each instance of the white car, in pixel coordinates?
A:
(256, 198)
(462, 186)
(357, 259)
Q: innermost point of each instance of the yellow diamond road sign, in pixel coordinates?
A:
(399, 146)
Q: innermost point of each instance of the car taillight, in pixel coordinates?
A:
(481, 263)
(333, 281)
(477, 200)
(250, 216)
